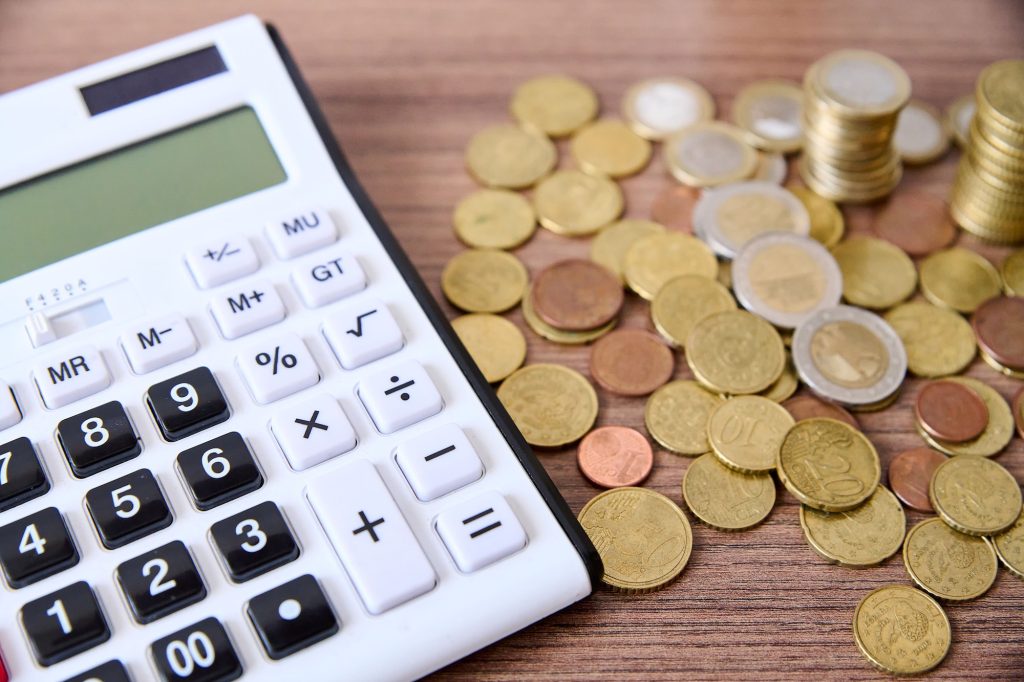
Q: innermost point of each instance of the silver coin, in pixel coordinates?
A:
(658, 107)
(850, 356)
(786, 278)
(771, 167)
(729, 216)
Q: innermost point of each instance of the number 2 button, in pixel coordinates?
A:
(160, 582)
(97, 439)
(187, 403)
(128, 508)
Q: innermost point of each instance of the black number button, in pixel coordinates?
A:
(254, 541)
(111, 671)
(98, 439)
(64, 623)
(187, 404)
(128, 508)
(35, 547)
(219, 470)
(160, 582)
(21, 474)
(292, 617)
(198, 653)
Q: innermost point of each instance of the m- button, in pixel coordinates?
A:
(158, 342)
(242, 312)
(71, 376)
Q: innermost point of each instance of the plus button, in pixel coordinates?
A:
(368, 526)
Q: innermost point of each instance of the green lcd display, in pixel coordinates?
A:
(114, 195)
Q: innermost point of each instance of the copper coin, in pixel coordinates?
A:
(916, 221)
(999, 325)
(807, 407)
(614, 456)
(1018, 411)
(951, 411)
(631, 362)
(577, 295)
(673, 208)
(910, 474)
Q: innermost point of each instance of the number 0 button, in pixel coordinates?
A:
(160, 582)
(254, 541)
(199, 653)
(128, 508)
(35, 547)
(187, 404)
(97, 439)
(64, 623)
(219, 470)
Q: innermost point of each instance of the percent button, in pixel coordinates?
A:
(277, 367)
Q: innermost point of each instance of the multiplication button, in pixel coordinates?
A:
(400, 396)
(277, 367)
(312, 431)
(221, 261)
(242, 312)
(327, 280)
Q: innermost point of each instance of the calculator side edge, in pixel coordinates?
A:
(556, 503)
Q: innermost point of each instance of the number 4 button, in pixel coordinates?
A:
(35, 547)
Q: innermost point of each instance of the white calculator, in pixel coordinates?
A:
(237, 437)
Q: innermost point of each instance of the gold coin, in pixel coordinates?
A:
(947, 563)
(958, 118)
(552, 405)
(683, 302)
(611, 243)
(864, 536)
(642, 536)
(827, 225)
(484, 281)
(727, 499)
(997, 433)
(938, 341)
(770, 112)
(921, 134)
(828, 465)
(496, 345)
(654, 260)
(876, 274)
(725, 274)
(959, 279)
(785, 386)
(901, 630)
(1013, 273)
(998, 93)
(747, 431)
(1010, 547)
(610, 148)
(975, 495)
(567, 338)
(677, 414)
(554, 105)
(658, 107)
(735, 352)
(506, 156)
(709, 153)
(494, 219)
(573, 203)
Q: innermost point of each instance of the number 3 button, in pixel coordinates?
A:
(254, 541)
(187, 403)
(97, 439)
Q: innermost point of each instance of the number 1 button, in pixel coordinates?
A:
(187, 404)
(64, 623)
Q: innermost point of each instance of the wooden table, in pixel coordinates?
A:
(405, 84)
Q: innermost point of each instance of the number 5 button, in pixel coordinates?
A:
(127, 508)
(277, 367)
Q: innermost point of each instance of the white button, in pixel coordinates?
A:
(243, 312)
(438, 462)
(362, 332)
(40, 329)
(400, 396)
(277, 367)
(221, 261)
(480, 531)
(157, 342)
(295, 234)
(9, 412)
(373, 541)
(329, 279)
(312, 431)
(71, 376)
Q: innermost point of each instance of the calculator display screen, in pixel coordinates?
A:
(74, 209)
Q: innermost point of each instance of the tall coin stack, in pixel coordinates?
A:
(988, 195)
(852, 99)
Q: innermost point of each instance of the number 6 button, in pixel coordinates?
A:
(187, 404)
(219, 470)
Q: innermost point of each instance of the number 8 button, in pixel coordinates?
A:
(187, 403)
(97, 439)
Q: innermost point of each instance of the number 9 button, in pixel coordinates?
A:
(187, 403)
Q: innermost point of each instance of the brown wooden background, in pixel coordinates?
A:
(404, 85)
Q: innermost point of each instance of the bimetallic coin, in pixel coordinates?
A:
(506, 156)
(959, 279)
(828, 465)
(876, 274)
(554, 105)
(849, 356)
(631, 362)
(735, 352)
(610, 245)
(546, 331)
(677, 414)
(958, 118)
(805, 407)
(947, 563)
(921, 134)
(771, 167)
(643, 538)
(864, 536)
(917, 222)
(609, 147)
(484, 281)
(724, 498)
(615, 456)
(769, 112)
(673, 207)
(786, 278)
(827, 224)
(901, 630)
(1012, 271)
(975, 495)
(938, 341)
(950, 411)
(683, 302)
(997, 433)
(708, 154)
(573, 203)
(494, 219)
(747, 431)
(658, 107)
(730, 216)
(576, 295)
(910, 474)
(654, 260)
(496, 345)
(552, 405)
(999, 326)
(1010, 547)
(860, 83)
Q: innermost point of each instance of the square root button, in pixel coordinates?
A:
(480, 531)
(400, 396)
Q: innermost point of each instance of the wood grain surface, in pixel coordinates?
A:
(404, 85)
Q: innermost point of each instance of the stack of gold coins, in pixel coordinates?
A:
(988, 195)
(852, 100)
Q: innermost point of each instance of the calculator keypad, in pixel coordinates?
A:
(21, 475)
(97, 439)
(111, 671)
(313, 431)
(160, 582)
(246, 310)
(187, 404)
(157, 342)
(292, 617)
(35, 547)
(201, 652)
(219, 471)
(68, 377)
(10, 414)
(277, 367)
(127, 508)
(362, 332)
(254, 541)
(64, 623)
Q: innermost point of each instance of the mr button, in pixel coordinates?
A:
(71, 376)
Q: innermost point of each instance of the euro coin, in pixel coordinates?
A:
(1013, 273)
(658, 107)
(724, 498)
(876, 274)
(901, 630)
(1018, 411)
(566, 338)
(554, 105)
(609, 246)
(771, 167)
(910, 474)
(573, 203)
(999, 327)
(997, 434)
(643, 538)
(860, 83)
(827, 224)
(975, 495)
(947, 563)
(494, 219)
(1010, 547)
(769, 112)
(654, 260)
(730, 216)
(683, 302)
(677, 414)
(673, 207)
(735, 352)
(958, 118)
(576, 295)
(785, 386)
(921, 134)
(864, 536)
(950, 411)
(708, 154)
(610, 148)
(484, 281)
(496, 345)
(959, 279)
(747, 431)
(917, 222)
(938, 341)
(615, 456)
(552, 405)
(506, 156)
(804, 407)
(631, 362)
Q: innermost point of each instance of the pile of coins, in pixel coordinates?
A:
(745, 281)
(988, 194)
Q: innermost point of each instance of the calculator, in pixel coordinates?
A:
(238, 439)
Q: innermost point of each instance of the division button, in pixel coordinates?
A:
(277, 367)
(438, 462)
(219, 471)
(242, 312)
(480, 531)
(187, 403)
(10, 414)
(157, 342)
(127, 508)
(64, 623)
(254, 541)
(292, 616)
(35, 547)
(312, 431)
(21, 475)
(298, 233)
(329, 279)
(222, 261)
(97, 439)
(160, 582)
(111, 671)
(362, 332)
(71, 376)
(400, 396)
(201, 652)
